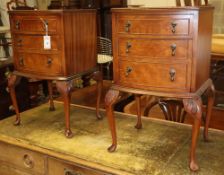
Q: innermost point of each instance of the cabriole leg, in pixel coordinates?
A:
(194, 108)
(211, 99)
(50, 90)
(64, 88)
(97, 76)
(138, 103)
(13, 80)
(110, 99)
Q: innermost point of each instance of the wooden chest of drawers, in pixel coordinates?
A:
(73, 42)
(54, 45)
(15, 160)
(154, 45)
(163, 52)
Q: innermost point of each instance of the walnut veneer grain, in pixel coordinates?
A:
(72, 51)
(163, 52)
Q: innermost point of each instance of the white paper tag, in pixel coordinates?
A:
(47, 42)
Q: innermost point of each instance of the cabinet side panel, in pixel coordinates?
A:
(80, 41)
(204, 46)
(115, 48)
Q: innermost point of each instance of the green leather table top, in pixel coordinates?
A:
(160, 147)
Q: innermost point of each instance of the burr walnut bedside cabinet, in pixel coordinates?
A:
(57, 45)
(164, 52)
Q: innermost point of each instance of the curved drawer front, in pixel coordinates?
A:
(44, 64)
(57, 167)
(8, 170)
(170, 76)
(22, 158)
(154, 48)
(154, 24)
(36, 24)
(35, 42)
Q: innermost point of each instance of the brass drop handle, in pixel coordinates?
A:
(128, 46)
(172, 74)
(45, 25)
(49, 61)
(17, 25)
(28, 162)
(173, 49)
(70, 172)
(19, 42)
(128, 70)
(21, 62)
(127, 26)
(173, 27)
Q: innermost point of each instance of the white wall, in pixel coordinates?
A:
(3, 11)
(43, 4)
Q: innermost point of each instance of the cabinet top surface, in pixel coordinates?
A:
(51, 11)
(145, 9)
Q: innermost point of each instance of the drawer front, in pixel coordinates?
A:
(22, 158)
(35, 42)
(154, 24)
(35, 24)
(154, 48)
(168, 76)
(10, 170)
(45, 64)
(57, 167)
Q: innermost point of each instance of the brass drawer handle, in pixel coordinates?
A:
(17, 25)
(19, 42)
(71, 172)
(49, 61)
(173, 26)
(128, 70)
(127, 26)
(173, 49)
(28, 162)
(45, 25)
(128, 46)
(21, 62)
(172, 74)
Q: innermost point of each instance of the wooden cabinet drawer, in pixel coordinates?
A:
(57, 167)
(8, 170)
(35, 24)
(48, 64)
(35, 42)
(154, 24)
(154, 48)
(168, 76)
(22, 159)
